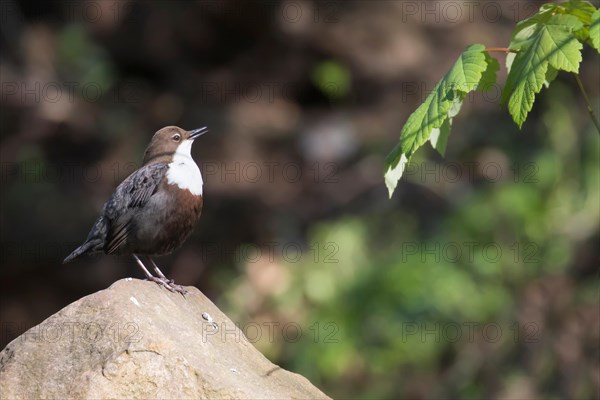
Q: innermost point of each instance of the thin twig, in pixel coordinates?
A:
(587, 101)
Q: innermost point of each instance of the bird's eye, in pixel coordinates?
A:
(176, 137)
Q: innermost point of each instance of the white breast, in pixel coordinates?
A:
(183, 171)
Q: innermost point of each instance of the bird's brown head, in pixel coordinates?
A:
(167, 140)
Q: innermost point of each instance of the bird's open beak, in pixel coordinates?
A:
(196, 133)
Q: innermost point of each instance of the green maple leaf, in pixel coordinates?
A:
(488, 78)
(541, 41)
(581, 9)
(432, 119)
(595, 30)
(524, 29)
(439, 136)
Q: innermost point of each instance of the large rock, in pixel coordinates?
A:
(137, 340)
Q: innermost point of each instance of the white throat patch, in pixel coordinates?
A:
(183, 171)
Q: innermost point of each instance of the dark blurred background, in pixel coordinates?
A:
(478, 279)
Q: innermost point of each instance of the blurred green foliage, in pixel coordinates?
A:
(400, 301)
(333, 79)
(84, 62)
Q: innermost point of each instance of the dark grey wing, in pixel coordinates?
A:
(133, 193)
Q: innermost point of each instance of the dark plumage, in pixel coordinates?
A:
(155, 208)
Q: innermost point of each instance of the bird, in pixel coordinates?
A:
(154, 210)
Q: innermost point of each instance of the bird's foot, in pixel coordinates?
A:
(176, 288)
(169, 284)
(162, 280)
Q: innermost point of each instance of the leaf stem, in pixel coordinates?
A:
(587, 101)
(500, 49)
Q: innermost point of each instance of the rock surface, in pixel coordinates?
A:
(137, 340)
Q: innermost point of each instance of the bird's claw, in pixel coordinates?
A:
(169, 284)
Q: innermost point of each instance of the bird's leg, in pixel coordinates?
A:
(150, 277)
(170, 283)
(158, 271)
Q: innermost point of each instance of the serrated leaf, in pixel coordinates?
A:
(525, 28)
(488, 77)
(396, 165)
(522, 83)
(595, 30)
(439, 136)
(550, 43)
(581, 9)
(551, 74)
(464, 76)
(456, 106)
(510, 57)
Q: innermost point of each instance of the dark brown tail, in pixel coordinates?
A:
(88, 248)
(94, 242)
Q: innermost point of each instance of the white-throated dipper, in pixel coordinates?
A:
(155, 208)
